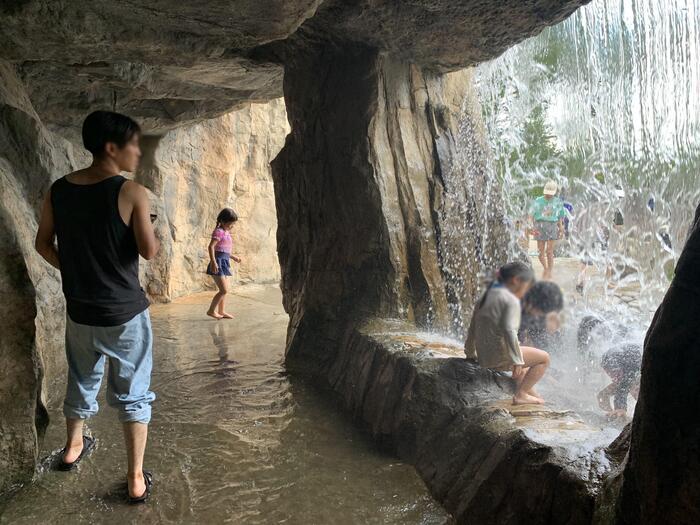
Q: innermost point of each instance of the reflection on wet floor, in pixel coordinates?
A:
(233, 439)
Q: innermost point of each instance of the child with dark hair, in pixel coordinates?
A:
(540, 322)
(592, 329)
(493, 332)
(623, 364)
(219, 261)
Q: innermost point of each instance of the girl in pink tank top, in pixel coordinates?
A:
(220, 261)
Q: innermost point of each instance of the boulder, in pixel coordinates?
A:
(485, 460)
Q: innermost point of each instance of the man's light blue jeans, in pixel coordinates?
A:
(128, 348)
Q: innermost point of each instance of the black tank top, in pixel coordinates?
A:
(98, 254)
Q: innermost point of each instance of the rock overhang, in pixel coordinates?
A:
(170, 63)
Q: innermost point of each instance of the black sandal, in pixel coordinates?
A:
(88, 446)
(148, 478)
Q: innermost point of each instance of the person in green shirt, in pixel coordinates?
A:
(546, 219)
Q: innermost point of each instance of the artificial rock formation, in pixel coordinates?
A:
(660, 482)
(168, 63)
(359, 186)
(486, 461)
(193, 172)
(371, 148)
(32, 311)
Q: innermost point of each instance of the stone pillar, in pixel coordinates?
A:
(359, 190)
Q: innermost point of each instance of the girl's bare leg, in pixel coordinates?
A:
(536, 364)
(532, 390)
(550, 258)
(542, 257)
(224, 290)
(221, 285)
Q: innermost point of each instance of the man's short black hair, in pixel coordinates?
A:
(101, 127)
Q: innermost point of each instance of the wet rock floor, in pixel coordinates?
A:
(233, 439)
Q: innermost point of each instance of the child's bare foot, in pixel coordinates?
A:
(532, 392)
(213, 314)
(526, 399)
(225, 315)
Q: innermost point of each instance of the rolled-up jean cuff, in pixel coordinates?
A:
(138, 416)
(128, 348)
(76, 413)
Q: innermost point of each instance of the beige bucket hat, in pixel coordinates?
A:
(550, 188)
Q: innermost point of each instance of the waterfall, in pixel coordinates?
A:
(606, 100)
(606, 104)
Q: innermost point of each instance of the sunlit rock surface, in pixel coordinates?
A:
(193, 172)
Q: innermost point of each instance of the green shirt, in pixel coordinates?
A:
(545, 210)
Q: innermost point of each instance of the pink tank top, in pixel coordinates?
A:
(224, 241)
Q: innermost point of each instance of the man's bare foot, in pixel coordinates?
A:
(215, 316)
(526, 399)
(225, 315)
(73, 452)
(137, 485)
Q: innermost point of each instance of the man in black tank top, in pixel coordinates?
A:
(101, 222)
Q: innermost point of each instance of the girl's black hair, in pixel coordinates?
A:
(585, 331)
(507, 272)
(101, 127)
(545, 296)
(225, 216)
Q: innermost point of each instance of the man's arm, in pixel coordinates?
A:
(46, 234)
(146, 241)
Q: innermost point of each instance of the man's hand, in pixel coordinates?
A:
(133, 198)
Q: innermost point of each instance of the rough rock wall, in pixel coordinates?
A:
(32, 307)
(195, 171)
(359, 188)
(486, 461)
(192, 174)
(170, 63)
